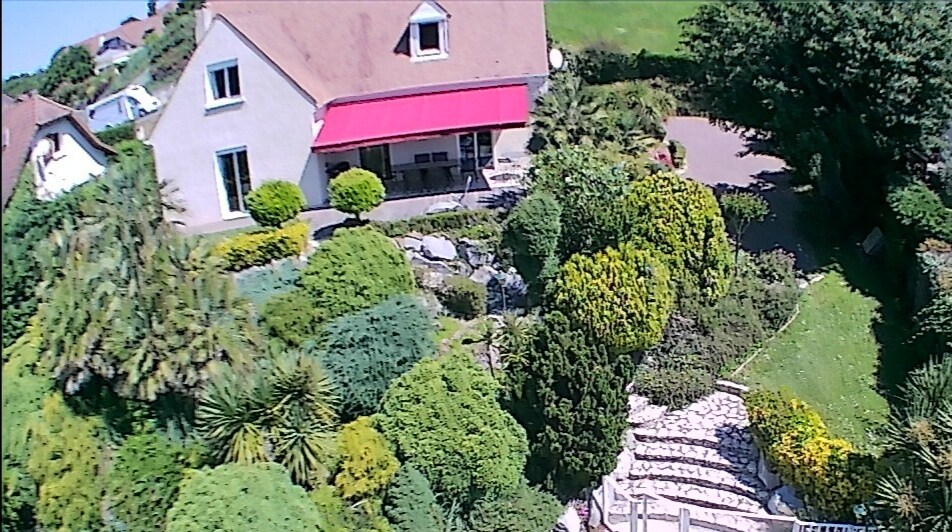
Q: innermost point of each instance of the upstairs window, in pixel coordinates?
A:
(428, 32)
(223, 81)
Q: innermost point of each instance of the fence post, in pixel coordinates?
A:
(633, 516)
(684, 520)
(644, 513)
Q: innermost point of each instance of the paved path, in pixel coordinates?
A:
(723, 159)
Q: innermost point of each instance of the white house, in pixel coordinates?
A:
(424, 94)
(54, 140)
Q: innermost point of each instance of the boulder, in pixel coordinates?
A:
(766, 474)
(570, 520)
(483, 275)
(438, 248)
(475, 252)
(415, 244)
(434, 265)
(784, 501)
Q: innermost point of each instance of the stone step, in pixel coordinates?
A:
(744, 483)
(697, 495)
(736, 440)
(727, 460)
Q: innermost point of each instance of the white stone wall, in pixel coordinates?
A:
(75, 163)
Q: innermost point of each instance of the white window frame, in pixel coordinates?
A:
(429, 13)
(226, 212)
(214, 103)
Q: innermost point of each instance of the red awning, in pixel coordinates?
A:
(371, 122)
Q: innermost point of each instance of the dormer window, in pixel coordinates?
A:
(428, 32)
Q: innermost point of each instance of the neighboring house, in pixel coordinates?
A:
(114, 47)
(424, 94)
(53, 139)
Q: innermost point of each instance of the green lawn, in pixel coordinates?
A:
(631, 26)
(828, 357)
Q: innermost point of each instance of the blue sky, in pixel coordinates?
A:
(34, 29)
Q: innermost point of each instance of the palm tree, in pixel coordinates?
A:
(568, 114)
(282, 411)
(916, 493)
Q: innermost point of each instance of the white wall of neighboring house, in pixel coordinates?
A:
(273, 122)
(75, 162)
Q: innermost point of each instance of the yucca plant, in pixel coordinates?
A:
(568, 114)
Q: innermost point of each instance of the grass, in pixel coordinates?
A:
(829, 357)
(629, 26)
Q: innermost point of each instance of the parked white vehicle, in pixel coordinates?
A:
(130, 103)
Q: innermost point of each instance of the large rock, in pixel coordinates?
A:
(434, 265)
(483, 275)
(766, 475)
(570, 520)
(784, 501)
(438, 248)
(415, 244)
(475, 252)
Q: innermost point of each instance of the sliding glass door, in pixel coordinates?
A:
(376, 159)
(475, 150)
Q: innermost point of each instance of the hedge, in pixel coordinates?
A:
(598, 66)
(261, 247)
(114, 134)
(464, 297)
(920, 209)
(440, 222)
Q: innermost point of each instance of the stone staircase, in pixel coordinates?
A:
(702, 456)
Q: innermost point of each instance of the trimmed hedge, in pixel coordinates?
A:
(829, 473)
(261, 247)
(115, 134)
(275, 202)
(599, 66)
(464, 297)
(452, 221)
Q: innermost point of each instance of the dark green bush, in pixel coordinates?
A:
(410, 504)
(113, 135)
(600, 65)
(526, 510)
(443, 222)
(463, 297)
(920, 209)
(532, 232)
(293, 318)
(678, 153)
(674, 381)
(275, 202)
(261, 285)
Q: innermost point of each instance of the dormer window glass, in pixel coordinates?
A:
(428, 32)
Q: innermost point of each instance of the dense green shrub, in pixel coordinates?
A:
(243, 497)
(463, 297)
(170, 51)
(113, 135)
(921, 210)
(569, 394)
(532, 231)
(525, 510)
(444, 417)
(829, 473)
(681, 219)
(261, 285)
(452, 222)
(339, 514)
(356, 269)
(19, 499)
(410, 504)
(275, 202)
(143, 481)
(622, 297)
(293, 318)
(366, 350)
(674, 381)
(367, 464)
(261, 247)
(356, 191)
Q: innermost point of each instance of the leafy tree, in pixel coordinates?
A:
(622, 297)
(366, 350)
(356, 269)
(275, 202)
(70, 65)
(532, 231)
(283, 412)
(170, 51)
(25, 384)
(367, 463)
(134, 302)
(443, 417)
(356, 191)
(143, 481)
(65, 455)
(525, 510)
(915, 493)
(638, 106)
(569, 394)
(243, 497)
(410, 504)
(866, 84)
(681, 219)
(22, 84)
(740, 210)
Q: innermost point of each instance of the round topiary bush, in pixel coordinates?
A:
(620, 296)
(356, 191)
(275, 202)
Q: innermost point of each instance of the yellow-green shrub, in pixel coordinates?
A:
(261, 247)
(829, 473)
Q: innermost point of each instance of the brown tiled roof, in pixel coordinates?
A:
(22, 117)
(347, 48)
(132, 32)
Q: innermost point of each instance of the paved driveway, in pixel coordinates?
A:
(722, 160)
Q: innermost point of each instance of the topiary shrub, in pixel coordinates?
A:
(674, 381)
(356, 269)
(463, 296)
(525, 510)
(293, 318)
(364, 351)
(410, 504)
(532, 232)
(621, 297)
(444, 417)
(275, 202)
(261, 247)
(367, 464)
(356, 191)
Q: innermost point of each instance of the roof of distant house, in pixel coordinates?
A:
(132, 32)
(349, 49)
(22, 118)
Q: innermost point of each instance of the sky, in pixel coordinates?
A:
(34, 29)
